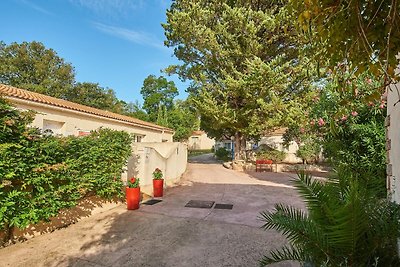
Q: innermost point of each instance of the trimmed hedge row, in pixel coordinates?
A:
(41, 173)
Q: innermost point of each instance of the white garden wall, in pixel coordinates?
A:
(170, 157)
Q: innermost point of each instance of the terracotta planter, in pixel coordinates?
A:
(132, 198)
(158, 187)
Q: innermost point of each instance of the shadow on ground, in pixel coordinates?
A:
(170, 234)
(280, 178)
(204, 159)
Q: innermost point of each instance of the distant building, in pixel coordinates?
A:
(275, 140)
(67, 118)
(200, 141)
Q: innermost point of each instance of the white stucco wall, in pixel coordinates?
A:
(393, 142)
(74, 122)
(200, 142)
(276, 142)
(170, 157)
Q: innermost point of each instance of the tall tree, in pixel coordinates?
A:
(183, 119)
(30, 65)
(134, 109)
(92, 94)
(158, 94)
(242, 59)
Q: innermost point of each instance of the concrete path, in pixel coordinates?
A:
(168, 233)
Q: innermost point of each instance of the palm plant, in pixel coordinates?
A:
(346, 224)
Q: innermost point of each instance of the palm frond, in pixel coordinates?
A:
(296, 226)
(286, 253)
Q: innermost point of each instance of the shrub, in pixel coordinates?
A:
(269, 153)
(41, 174)
(308, 151)
(222, 154)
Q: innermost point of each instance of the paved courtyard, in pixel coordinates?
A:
(168, 233)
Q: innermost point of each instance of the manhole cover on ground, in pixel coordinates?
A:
(200, 204)
(152, 201)
(223, 206)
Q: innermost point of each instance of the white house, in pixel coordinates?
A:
(200, 141)
(152, 147)
(275, 140)
(68, 118)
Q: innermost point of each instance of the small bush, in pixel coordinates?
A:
(222, 154)
(275, 155)
(309, 151)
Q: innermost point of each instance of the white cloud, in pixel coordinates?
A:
(136, 37)
(35, 7)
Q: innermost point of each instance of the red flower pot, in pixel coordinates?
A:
(158, 187)
(132, 198)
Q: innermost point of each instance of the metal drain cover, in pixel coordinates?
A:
(152, 201)
(223, 206)
(200, 204)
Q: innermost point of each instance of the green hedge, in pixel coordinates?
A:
(41, 174)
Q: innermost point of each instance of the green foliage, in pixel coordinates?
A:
(309, 151)
(133, 182)
(348, 124)
(364, 34)
(157, 174)
(41, 174)
(93, 95)
(33, 67)
(222, 154)
(183, 119)
(158, 93)
(273, 154)
(347, 224)
(242, 60)
(353, 132)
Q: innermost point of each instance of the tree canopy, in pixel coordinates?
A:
(158, 93)
(94, 95)
(363, 34)
(242, 59)
(34, 67)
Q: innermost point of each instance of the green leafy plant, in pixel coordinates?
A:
(346, 224)
(41, 174)
(309, 151)
(133, 182)
(222, 154)
(157, 174)
(268, 152)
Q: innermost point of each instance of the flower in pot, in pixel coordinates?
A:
(158, 183)
(133, 194)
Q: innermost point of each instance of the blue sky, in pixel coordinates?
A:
(116, 43)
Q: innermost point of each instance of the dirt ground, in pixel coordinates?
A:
(168, 233)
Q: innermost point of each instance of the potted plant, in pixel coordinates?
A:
(158, 183)
(133, 194)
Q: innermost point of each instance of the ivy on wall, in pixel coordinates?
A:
(41, 173)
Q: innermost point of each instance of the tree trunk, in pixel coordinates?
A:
(239, 146)
(8, 234)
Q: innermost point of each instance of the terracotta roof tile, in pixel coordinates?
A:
(198, 132)
(11, 91)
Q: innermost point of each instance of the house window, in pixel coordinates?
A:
(138, 138)
(228, 146)
(56, 127)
